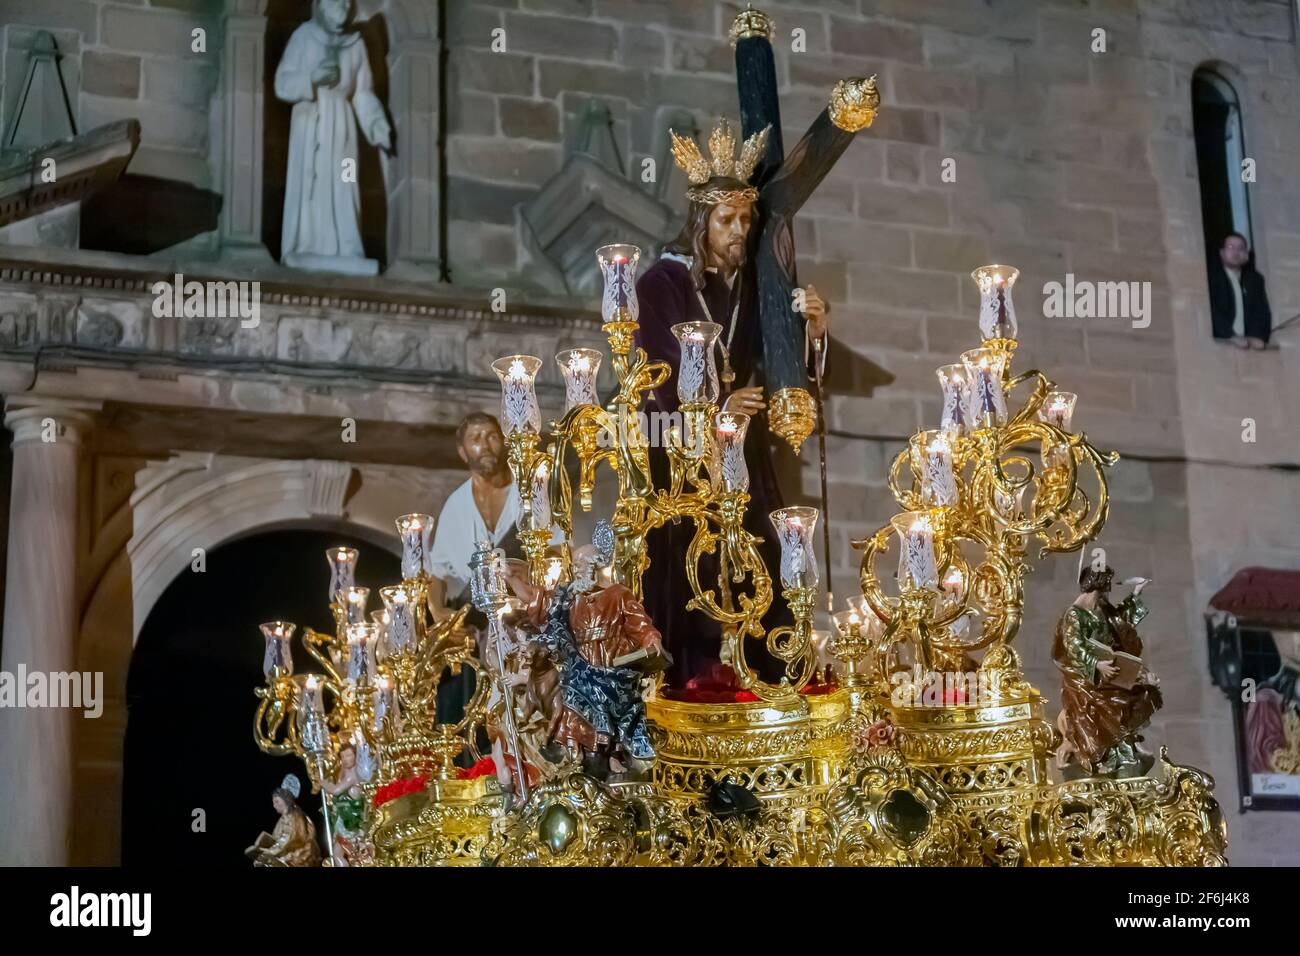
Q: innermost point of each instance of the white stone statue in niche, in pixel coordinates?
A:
(325, 74)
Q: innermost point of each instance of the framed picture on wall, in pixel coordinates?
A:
(1255, 659)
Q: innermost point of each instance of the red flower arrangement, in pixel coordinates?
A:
(717, 685)
(482, 768)
(399, 788)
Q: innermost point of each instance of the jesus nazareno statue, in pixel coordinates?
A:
(325, 74)
(733, 265)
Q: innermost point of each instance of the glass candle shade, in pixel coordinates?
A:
(697, 372)
(381, 619)
(794, 531)
(953, 587)
(311, 716)
(847, 622)
(932, 461)
(730, 473)
(519, 411)
(579, 368)
(823, 659)
(618, 264)
(385, 703)
(871, 624)
(361, 654)
(954, 418)
(416, 534)
(399, 603)
(539, 515)
(355, 600)
(277, 658)
(554, 572)
(988, 402)
(366, 763)
(917, 567)
(997, 314)
(343, 571)
(312, 700)
(1058, 410)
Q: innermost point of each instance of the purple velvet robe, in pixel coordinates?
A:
(667, 296)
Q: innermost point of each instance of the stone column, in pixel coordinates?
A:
(242, 71)
(413, 201)
(40, 628)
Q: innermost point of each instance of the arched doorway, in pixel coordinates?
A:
(189, 739)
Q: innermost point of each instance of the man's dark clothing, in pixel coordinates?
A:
(1257, 318)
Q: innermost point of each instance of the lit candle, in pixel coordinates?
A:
(361, 654)
(932, 460)
(794, 530)
(400, 608)
(997, 314)
(1058, 410)
(579, 368)
(311, 717)
(343, 571)
(988, 403)
(541, 506)
(697, 372)
(955, 416)
(277, 658)
(954, 585)
(519, 411)
(618, 264)
(416, 534)
(730, 473)
(312, 694)
(354, 604)
(917, 568)
(554, 571)
(385, 703)
(365, 757)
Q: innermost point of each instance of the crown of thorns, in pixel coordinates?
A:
(724, 176)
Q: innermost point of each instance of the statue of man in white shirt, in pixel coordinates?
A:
(484, 507)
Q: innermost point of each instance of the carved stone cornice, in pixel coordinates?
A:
(284, 287)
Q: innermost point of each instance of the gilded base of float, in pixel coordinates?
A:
(960, 786)
(992, 763)
(448, 824)
(781, 751)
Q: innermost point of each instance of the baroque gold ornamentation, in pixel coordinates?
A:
(793, 416)
(751, 23)
(721, 164)
(854, 103)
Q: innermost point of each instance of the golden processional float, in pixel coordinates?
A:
(878, 761)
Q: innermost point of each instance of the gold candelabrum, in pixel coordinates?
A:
(972, 500)
(708, 483)
(376, 685)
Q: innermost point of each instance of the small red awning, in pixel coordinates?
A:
(1262, 597)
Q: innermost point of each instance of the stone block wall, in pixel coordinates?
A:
(132, 60)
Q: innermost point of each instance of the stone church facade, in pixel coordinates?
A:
(511, 165)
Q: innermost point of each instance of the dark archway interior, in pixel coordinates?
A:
(190, 704)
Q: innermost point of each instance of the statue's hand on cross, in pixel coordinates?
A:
(816, 313)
